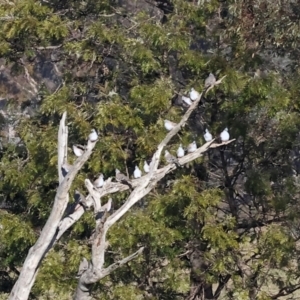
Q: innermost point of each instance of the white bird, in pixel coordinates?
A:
(78, 150)
(187, 100)
(169, 125)
(146, 167)
(93, 136)
(192, 147)
(210, 80)
(108, 205)
(180, 151)
(207, 136)
(225, 135)
(194, 95)
(170, 158)
(137, 172)
(99, 182)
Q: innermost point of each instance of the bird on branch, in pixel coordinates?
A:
(210, 80)
(78, 150)
(225, 135)
(171, 158)
(169, 125)
(93, 136)
(194, 95)
(180, 151)
(192, 147)
(120, 177)
(207, 136)
(99, 182)
(137, 172)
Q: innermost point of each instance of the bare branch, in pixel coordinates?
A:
(95, 196)
(49, 47)
(286, 291)
(62, 145)
(107, 16)
(173, 132)
(219, 81)
(122, 262)
(221, 285)
(98, 248)
(73, 217)
(7, 18)
(82, 292)
(113, 187)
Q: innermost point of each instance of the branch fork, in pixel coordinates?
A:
(57, 223)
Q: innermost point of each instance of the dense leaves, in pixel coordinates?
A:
(228, 222)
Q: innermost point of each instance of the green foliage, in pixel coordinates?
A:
(121, 73)
(16, 238)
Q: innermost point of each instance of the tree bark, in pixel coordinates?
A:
(46, 240)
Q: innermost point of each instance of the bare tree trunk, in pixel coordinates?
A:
(46, 240)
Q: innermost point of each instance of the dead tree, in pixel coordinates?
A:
(59, 222)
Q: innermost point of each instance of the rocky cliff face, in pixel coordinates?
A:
(20, 85)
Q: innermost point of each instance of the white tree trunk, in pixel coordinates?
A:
(46, 240)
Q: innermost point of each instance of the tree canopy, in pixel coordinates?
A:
(225, 225)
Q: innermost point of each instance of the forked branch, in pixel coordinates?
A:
(141, 187)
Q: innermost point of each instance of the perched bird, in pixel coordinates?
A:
(137, 172)
(65, 168)
(180, 151)
(187, 100)
(120, 177)
(93, 136)
(192, 147)
(207, 136)
(194, 95)
(169, 125)
(170, 158)
(78, 150)
(210, 80)
(99, 182)
(146, 167)
(225, 135)
(108, 205)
